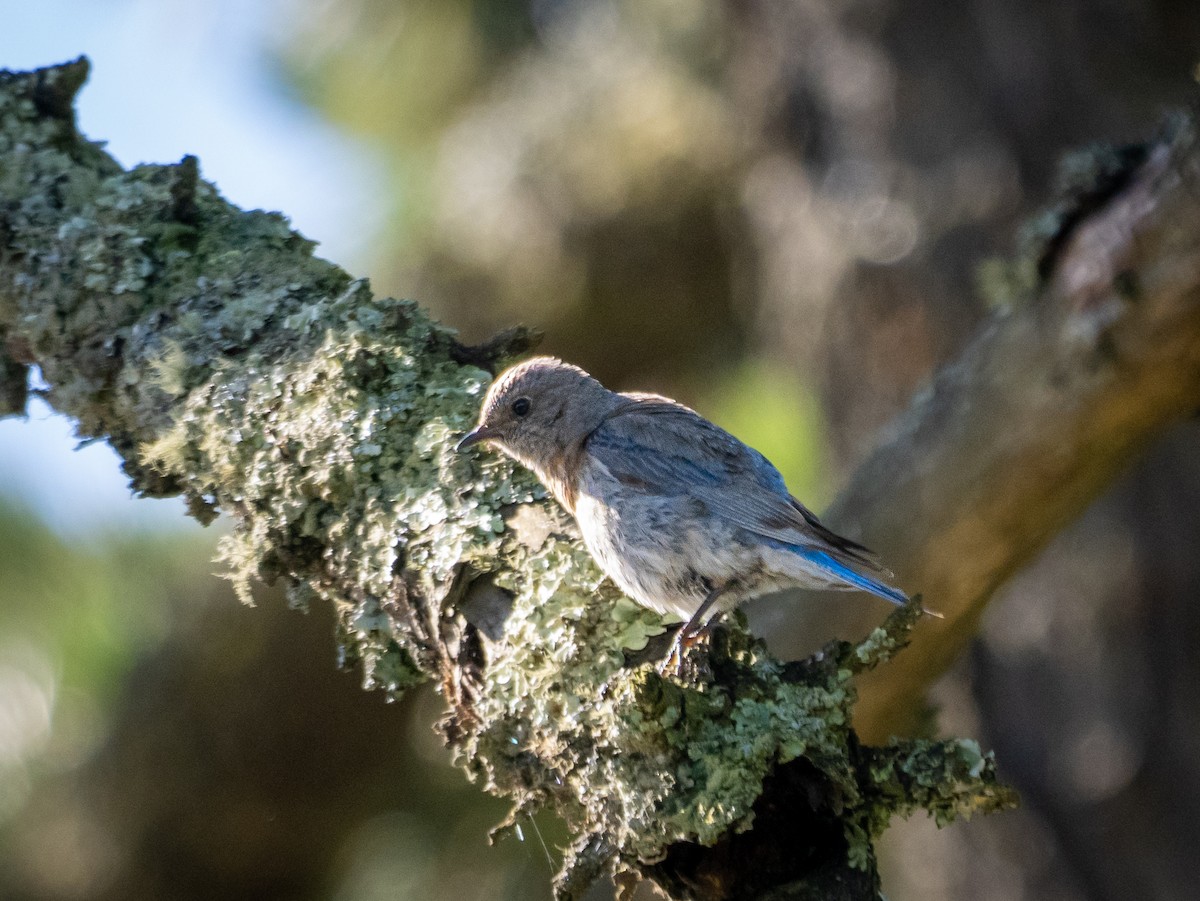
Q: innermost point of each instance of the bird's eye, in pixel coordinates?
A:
(521, 406)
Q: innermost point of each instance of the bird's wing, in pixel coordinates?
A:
(662, 447)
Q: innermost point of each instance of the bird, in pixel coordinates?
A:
(685, 518)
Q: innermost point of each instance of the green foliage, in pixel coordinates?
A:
(72, 620)
(764, 405)
(89, 609)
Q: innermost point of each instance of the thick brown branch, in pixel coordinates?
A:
(1040, 413)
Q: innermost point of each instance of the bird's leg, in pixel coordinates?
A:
(696, 635)
(691, 631)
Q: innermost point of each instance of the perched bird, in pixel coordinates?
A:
(684, 517)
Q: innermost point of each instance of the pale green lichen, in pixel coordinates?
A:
(226, 362)
(648, 761)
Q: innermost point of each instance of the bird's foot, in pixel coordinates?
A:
(677, 654)
(672, 664)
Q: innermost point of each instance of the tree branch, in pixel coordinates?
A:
(224, 362)
(1098, 357)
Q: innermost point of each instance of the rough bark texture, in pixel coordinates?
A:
(224, 362)
(1099, 354)
(813, 194)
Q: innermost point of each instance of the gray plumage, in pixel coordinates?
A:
(684, 517)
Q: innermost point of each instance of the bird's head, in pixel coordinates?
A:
(539, 408)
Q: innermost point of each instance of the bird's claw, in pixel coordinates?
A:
(683, 642)
(672, 664)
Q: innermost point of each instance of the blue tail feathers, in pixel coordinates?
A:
(842, 573)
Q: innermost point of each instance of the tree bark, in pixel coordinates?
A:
(224, 362)
(1051, 401)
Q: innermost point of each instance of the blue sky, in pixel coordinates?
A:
(172, 77)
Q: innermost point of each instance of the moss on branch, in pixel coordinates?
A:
(225, 362)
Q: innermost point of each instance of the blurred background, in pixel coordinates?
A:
(776, 212)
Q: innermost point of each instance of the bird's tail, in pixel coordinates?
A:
(849, 578)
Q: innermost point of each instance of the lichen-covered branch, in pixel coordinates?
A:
(1094, 352)
(225, 362)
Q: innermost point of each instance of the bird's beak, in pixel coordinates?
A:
(483, 433)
